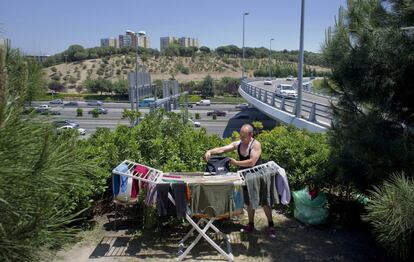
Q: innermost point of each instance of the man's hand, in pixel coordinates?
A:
(207, 155)
(232, 162)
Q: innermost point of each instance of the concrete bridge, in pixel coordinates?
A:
(316, 114)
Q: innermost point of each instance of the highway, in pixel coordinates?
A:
(223, 126)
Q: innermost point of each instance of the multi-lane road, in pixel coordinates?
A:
(223, 126)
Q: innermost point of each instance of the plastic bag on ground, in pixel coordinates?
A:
(308, 211)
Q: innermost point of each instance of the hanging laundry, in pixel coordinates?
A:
(282, 186)
(180, 197)
(261, 189)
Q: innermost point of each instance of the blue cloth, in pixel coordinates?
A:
(116, 179)
(238, 198)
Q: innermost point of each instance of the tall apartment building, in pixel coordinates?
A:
(143, 40)
(133, 39)
(182, 41)
(5, 43)
(109, 42)
(167, 40)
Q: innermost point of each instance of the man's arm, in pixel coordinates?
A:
(219, 150)
(254, 156)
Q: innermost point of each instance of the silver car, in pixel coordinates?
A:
(95, 103)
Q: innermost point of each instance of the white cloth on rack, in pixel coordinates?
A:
(282, 186)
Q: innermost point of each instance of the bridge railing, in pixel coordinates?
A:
(311, 111)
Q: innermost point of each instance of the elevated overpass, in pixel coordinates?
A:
(316, 114)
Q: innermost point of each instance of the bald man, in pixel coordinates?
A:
(249, 151)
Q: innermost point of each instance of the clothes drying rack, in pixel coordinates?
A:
(258, 170)
(155, 177)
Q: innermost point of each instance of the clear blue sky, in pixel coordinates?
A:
(50, 26)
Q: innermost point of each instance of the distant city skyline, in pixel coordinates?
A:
(49, 27)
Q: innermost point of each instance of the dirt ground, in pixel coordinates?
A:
(294, 242)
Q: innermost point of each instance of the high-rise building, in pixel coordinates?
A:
(182, 41)
(167, 40)
(143, 40)
(109, 42)
(6, 43)
(133, 39)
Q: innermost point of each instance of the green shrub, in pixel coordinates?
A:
(79, 111)
(214, 116)
(391, 213)
(197, 115)
(55, 78)
(304, 155)
(95, 113)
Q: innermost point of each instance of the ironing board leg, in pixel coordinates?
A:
(181, 243)
(202, 233)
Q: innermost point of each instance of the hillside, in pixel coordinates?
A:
(184, 69)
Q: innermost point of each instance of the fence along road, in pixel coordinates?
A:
(316, 115)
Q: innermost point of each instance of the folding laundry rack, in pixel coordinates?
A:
(155, 177)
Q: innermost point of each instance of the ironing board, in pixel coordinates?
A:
(155, 176)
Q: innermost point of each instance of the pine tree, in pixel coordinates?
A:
(372, 62)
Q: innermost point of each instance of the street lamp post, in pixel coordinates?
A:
(136, 77)
(298, 107)
(243, 69)
(270, 55)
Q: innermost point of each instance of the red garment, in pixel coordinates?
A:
(140, 171)
(313, 194)
(188, 193)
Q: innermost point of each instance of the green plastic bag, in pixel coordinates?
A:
(308, 211)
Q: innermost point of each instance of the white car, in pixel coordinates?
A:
(289, 78)
(242, 106)
(67, 127)
(287, 91)
(268, 82)
(194, 123)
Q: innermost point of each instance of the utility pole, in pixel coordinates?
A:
(298, 107)
(243, 68)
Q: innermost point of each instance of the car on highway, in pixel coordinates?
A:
(287, 91)
(204, 102)
(268, 82)
(289, 78)
(42, 107)
(59, 123)
(69, 127)
(242, 106)
(72, 103)
(216, 112)
(56, 102)
(101, 110)
(95, 103)
(194, 123)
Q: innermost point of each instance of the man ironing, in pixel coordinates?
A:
(249, 151)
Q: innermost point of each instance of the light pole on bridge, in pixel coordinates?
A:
(298, 107)
(270, 55)
(243, 68)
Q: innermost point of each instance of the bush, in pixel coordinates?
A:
(197, 116)
(55, 77)
(304, 155)
(214, 116)
(79, 112)
(391, 213)
(95, 113)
